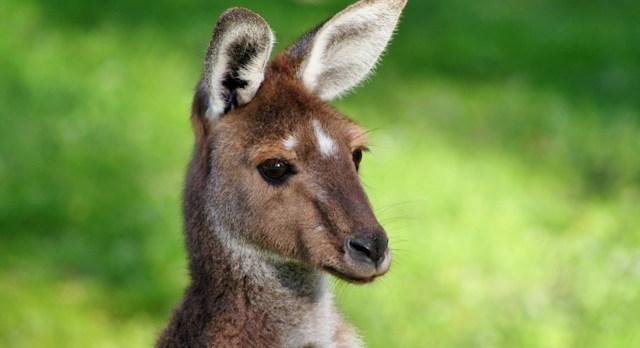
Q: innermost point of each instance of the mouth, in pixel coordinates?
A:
(348, 277)
(358, 273)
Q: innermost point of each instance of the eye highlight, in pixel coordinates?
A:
(275, 171)
(357, 158)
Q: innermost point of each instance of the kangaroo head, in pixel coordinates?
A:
(277, 165)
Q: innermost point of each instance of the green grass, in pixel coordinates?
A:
(505, 167)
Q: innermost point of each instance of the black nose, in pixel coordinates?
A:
(367, 246)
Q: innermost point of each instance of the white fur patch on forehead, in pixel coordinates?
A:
(290, 142)
(326, 144)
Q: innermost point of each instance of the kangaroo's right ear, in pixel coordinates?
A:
(235, 62)
(341, 52)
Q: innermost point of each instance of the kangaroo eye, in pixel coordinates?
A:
(357, 158)
(275, 171)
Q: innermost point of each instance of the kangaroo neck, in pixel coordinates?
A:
(271, 277)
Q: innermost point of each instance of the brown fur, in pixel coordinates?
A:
(222, 308)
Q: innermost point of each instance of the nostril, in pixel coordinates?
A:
(359, 247)
(366, 248)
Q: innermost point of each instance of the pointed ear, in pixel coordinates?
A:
(235, 62)
(339, 54)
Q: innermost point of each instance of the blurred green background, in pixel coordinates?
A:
(505, 167)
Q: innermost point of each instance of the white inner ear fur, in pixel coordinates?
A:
(216, 94)
(247, 28)
(348, 46)
(253, 73)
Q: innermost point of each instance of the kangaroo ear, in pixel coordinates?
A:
(340, 53)
(235, 62)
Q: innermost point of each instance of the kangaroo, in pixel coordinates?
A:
(273, 202)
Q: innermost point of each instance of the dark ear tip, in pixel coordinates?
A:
(237, 11)
(240, 17)
(241, 14)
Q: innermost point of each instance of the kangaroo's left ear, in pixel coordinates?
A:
(341, 52)
(236, 60)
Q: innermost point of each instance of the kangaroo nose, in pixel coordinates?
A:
(367, 247)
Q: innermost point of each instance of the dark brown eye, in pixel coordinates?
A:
(275, 171)
(357, 158)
